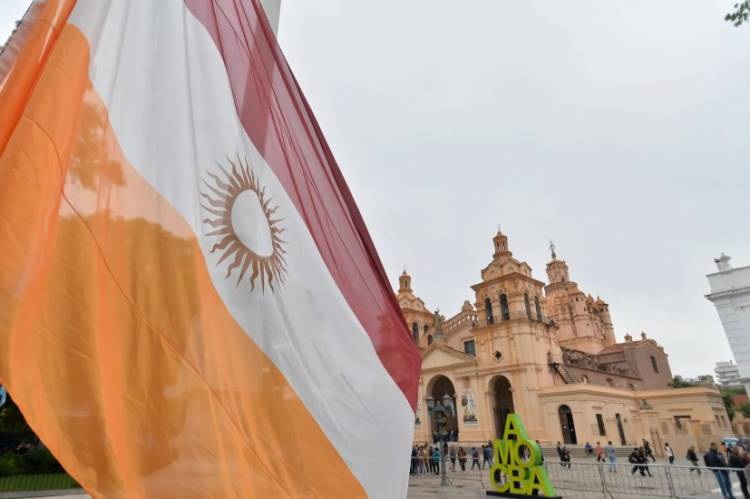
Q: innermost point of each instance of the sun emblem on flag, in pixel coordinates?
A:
(241, 218)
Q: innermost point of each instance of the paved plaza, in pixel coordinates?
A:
(587, 480)
(582, 481)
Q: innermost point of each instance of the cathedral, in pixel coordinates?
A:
(548, 352)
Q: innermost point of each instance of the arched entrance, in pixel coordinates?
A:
(566, 425)
(502, 402)
(441, 405)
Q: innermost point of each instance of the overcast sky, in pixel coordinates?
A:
(620, 130)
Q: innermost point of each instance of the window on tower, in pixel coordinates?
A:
(538, 309)
(415, 331)
(654, 365)
(528, 305)
(504, 310)
(488, 309)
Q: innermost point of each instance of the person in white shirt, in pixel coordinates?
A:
(669, 452)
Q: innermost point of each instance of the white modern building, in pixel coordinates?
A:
(730, 293)
(727, 374)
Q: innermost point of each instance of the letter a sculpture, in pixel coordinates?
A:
(517, 470)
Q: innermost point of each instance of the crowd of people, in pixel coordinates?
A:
(721, 460)
(724, 460)
(426, 458)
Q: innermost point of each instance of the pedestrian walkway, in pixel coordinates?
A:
(428, 488)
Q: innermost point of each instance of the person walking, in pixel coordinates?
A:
(541, 452)
(453, 458)
(647, 450)
(635, 459)
(413, 467)
(475, 458)
(436, 460)
(644, 461)
(611, 453)
(565, 457)
(487, 458)
(599, 453)
(669, 452)
(693, 458)
(462, 458)
(713, 459)
(738, 460)
(560, 454)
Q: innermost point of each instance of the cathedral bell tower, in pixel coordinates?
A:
(583, 323)
(404, 283)
(557, 270)
(501, 245)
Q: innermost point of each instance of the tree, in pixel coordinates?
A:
(726, 396)
(12, 421)
(728, 405)
(679, 382)
(740, 14)
(745, 410)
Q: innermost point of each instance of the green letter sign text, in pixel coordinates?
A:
(518, 469)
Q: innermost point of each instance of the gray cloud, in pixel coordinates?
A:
(618, 130)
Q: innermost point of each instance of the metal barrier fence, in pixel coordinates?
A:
(602, 480)
(644, 480)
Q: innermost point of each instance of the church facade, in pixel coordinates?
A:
(547, 351)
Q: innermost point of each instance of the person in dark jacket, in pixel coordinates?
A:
(635, 459)
(647, 450)
(565, 457)
(475, 458)
(693, 458)
(644, 461)
(713, 459)
(737, 460)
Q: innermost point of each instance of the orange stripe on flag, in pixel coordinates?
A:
(23, 60)
(114, 342)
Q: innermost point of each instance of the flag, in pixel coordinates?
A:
(190, 302)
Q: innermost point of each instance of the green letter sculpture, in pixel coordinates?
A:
(518, 470)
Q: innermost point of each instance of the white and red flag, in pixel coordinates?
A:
(190, 303)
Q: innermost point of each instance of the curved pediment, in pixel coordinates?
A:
(412, 303)
(441, 356)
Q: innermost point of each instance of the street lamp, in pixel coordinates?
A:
(435, 407)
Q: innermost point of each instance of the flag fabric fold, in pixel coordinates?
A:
(190, 303)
